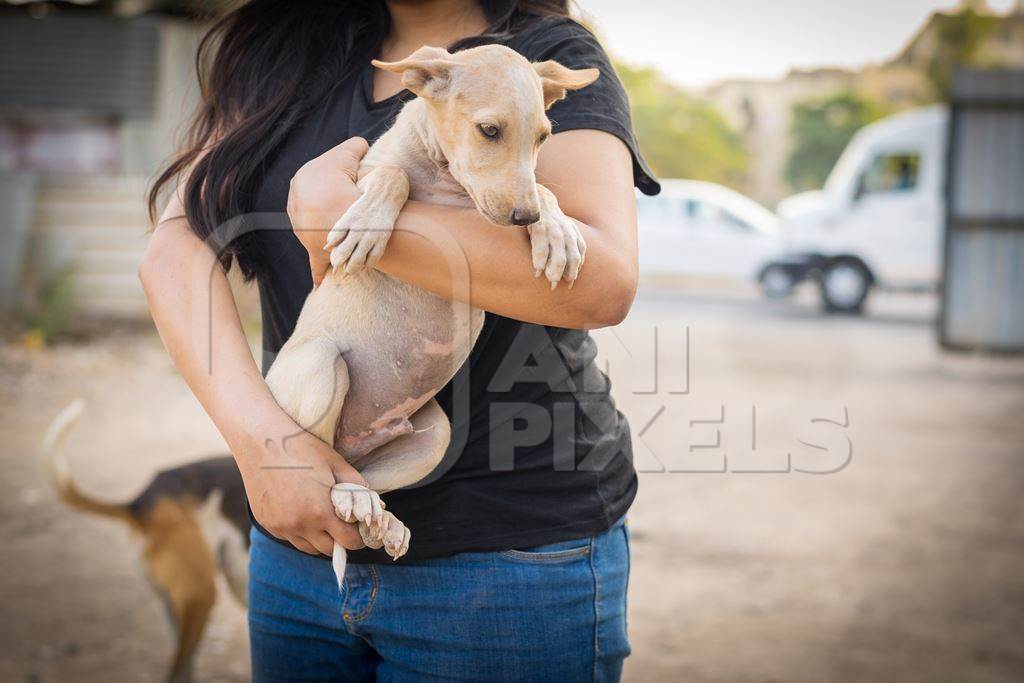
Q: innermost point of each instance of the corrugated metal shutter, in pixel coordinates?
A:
(80, 62)
(98, 226)
(17, 199)
(983, 283)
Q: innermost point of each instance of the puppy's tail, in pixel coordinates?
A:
(60, 473)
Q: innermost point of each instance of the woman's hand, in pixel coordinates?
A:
(289, 491)
(320, 193)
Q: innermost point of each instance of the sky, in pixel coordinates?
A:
(697, 42)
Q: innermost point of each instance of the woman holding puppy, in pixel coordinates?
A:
(519, 558)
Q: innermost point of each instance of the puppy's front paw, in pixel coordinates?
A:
(357, 504)
(358, 239)
(557, 248)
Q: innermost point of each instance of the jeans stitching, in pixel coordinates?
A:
(345, 593)
(542, 557)
(597, 608)
(629, 570)
(373, 598)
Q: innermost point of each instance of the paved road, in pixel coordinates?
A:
(907, 564)
(904, 564)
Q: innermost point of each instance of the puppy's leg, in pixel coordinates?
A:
(409, 458)
(360, 236)
(303, 384)
(402, 462)
(557, 247)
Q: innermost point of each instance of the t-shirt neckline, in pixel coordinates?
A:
(366, 88)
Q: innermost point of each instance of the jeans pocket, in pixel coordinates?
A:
(556, 552)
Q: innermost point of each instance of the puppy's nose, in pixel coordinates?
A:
(524, 217)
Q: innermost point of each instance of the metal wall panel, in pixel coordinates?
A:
(17, 204)
(988, 150)
(985, 309)
(78, 62)
(97, 226)
(983, 270)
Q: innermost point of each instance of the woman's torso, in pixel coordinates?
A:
(539, 453)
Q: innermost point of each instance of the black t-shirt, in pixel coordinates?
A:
(539, 453)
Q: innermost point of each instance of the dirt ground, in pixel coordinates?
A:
(905, 564)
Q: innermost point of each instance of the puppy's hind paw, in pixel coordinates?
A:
(395, 537)
(389, 533)
(357, 504)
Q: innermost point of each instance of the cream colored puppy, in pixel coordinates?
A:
(369, 352)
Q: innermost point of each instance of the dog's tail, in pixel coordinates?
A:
(60, 473)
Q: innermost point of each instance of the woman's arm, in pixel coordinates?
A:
(589, 171)
(287, 472)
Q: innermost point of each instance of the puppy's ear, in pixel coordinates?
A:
(557, 79)
(427, 71)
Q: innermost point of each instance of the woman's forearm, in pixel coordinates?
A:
(458, 254)
(195, 314)
(590, 174)
(435, 247)
(288, 473)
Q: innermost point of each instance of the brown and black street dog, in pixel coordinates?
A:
(193, 523)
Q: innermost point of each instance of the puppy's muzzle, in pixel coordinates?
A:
(524, 217)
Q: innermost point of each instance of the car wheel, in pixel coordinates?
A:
(777, 282)
(845, 284)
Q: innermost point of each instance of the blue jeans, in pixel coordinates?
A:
(551, 613)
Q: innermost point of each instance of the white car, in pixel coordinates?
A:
(695, 228)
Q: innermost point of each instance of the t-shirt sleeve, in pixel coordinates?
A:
(602, 105)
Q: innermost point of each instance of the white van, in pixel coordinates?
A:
(879, 220)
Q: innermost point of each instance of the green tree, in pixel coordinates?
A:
(681, 135)
(960, 39)
(820, 130)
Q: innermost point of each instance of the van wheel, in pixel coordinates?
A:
(845, 284)
(777, 282)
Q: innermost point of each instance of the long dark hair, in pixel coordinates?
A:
(261, 68)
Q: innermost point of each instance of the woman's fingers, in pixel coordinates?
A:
(345, 535)
(347, 156)
(345, 473)
(318, 264)
(304, 545)
(319, 194)
(323, 543)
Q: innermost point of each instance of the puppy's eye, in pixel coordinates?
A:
(542, 137)
(489, 131)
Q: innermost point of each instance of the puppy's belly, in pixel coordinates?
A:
(401, 345)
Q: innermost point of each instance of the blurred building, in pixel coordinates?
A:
(762, 109)
(92, 99)
(1003, 46)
